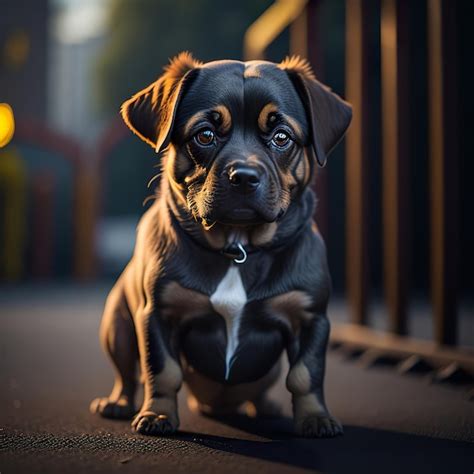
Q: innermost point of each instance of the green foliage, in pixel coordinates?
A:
(144, 34)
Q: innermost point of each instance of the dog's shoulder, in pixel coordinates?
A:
(153, 240)
(307, 268)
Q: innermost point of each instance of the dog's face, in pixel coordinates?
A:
(243, 137)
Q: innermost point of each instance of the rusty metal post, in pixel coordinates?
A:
(444, 165)
(306, 41)
(395, 139)
(357, 83)
(86, 214)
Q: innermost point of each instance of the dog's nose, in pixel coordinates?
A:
(244, 179)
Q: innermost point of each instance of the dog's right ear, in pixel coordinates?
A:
(329, 115)
(150, 113)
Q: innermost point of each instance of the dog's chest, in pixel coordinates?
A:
(229, 300)
(224, 335)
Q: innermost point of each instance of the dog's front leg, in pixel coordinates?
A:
(162, 378)
(305, 381)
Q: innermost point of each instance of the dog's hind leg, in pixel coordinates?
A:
(262, 405)
(118, 339)
(214, 399)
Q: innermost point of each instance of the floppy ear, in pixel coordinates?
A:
(150, 113)
(329, 115)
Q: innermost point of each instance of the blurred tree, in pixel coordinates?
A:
(144, 34)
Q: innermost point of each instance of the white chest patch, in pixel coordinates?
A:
(229, 300)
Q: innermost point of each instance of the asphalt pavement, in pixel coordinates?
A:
(51, 366)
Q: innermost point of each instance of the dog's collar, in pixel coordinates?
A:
(238, 248)
(235, 247)
(236, 251)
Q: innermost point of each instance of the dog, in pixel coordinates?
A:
(229, 270)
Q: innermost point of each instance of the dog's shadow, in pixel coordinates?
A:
(359, 450)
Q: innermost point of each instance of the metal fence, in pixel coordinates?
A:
(394, 346)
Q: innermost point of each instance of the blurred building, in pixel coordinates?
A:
(23, 56)
(77, 35)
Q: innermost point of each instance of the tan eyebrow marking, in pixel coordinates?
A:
(197, 117)
(264, 114)
(294, 125)
(272, 108)
(225, 117)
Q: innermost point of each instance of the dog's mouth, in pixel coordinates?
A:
(241, 216)
(246, 216)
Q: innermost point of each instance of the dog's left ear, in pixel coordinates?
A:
(150, 113)
(329, 115)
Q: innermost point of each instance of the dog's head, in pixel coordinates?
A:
(242, 138)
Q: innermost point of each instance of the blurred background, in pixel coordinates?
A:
(395, 200)
(394, 206)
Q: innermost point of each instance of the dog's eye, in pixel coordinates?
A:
(281, 138)
(205, 137)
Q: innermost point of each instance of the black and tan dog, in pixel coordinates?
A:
(229, 269)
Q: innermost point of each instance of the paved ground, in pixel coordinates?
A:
(51, 366)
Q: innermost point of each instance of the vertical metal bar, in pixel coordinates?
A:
(315, 54)
(86, 212)
(299, 34)
(357, 160)
(443, 167)
(394, 50)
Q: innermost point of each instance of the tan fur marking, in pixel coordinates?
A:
(297, 64)
(202, 114)
(253, 160)
(181, 64)
(264, 113)
(294, 125)
(225, 116)
(252, 70)
(197, 117)
(215, 237)
(180, 304)
(292, 308)
(162, 406)
(298, 381)
(263, 234)
(303, 169)
(288, 179)
(169, 380)
(300, 171)
(212, 397)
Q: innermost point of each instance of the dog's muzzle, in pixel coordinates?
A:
(244, 179)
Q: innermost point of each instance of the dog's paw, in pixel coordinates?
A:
(319, 426)
(151, 424)
(120, 409)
